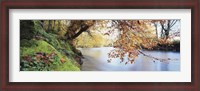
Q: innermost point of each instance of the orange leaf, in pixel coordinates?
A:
(62, 60)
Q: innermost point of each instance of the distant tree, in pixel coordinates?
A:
(166, 27)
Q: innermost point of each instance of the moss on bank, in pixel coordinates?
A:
(60, 61)
(42, 51)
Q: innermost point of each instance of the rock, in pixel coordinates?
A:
(78, 59)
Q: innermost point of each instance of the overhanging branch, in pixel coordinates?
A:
(83, 29)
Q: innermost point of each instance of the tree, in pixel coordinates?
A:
(133, 35)
(156, 28)
(166, 27)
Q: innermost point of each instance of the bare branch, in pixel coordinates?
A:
(162, 25)
(173, 23)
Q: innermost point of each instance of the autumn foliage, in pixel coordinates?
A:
(132, 36)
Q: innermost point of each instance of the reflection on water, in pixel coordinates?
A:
(95, 59)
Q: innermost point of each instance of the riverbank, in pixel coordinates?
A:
(41, 50)
(175, 46)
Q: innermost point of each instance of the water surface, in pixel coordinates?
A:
(95, 59)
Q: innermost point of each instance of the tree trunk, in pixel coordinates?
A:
(49, 25)
(167, 30)
(83, 29)
(59, 27)
(162, 34)
(156, 29)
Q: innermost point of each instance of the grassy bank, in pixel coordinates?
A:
(43, 51)
(39, 55)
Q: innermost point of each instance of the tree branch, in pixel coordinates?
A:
(84, 27)
(173, 23)
(155, 57)
(162, 25)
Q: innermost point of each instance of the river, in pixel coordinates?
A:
(95, 59)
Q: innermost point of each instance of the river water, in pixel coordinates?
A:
(95, 59)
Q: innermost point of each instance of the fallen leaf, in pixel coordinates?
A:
(62, 60)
